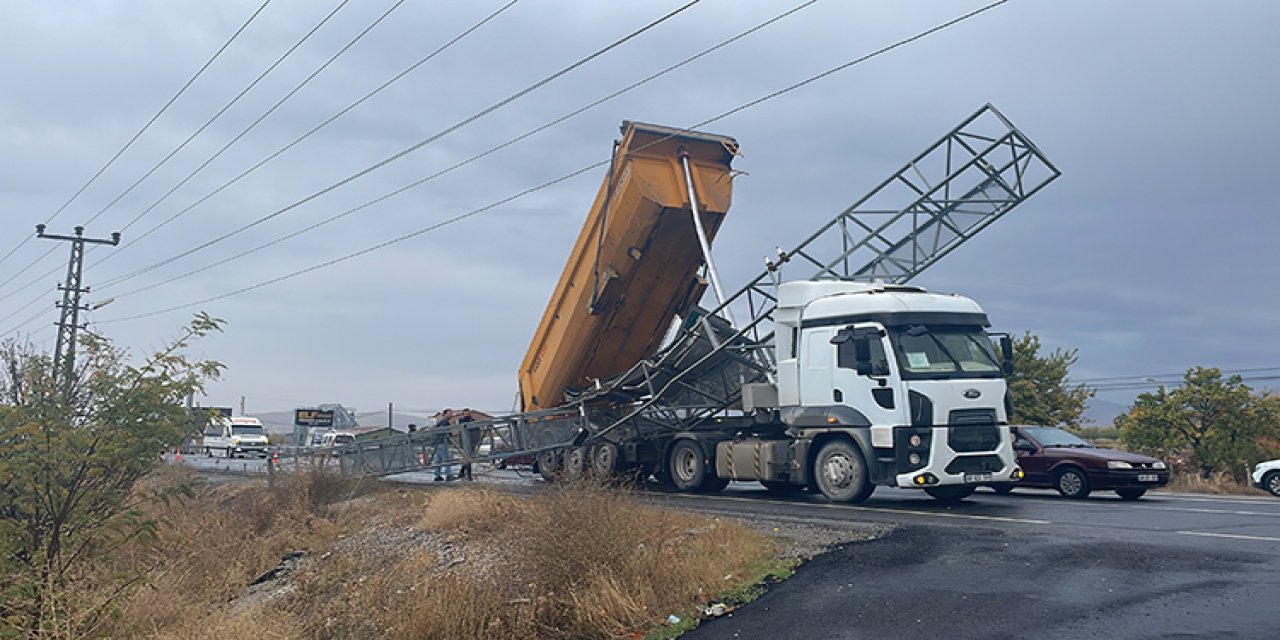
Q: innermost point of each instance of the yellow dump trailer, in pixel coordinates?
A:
(635, 265)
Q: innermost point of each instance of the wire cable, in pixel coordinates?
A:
(204, 126)
(473, 158)
(262, 117)
(308, 134)
(560, 179)
(288, 52)
(407, 150)
(144, 128)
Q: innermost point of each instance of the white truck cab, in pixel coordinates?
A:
(240, 435)
(907, 380)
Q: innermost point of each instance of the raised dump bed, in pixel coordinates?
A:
(635, 264)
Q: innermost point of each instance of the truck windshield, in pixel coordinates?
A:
(943, 351)
(246, 430)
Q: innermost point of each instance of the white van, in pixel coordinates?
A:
(235, 436)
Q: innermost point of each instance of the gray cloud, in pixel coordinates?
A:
(1152, 252)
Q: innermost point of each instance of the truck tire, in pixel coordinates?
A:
(840, 472)
(549, 465)
(1072, 483)
(686, 465)
(604, 460)
(951, 493)
(576, 462)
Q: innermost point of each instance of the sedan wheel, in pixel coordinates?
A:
(1072, 483)
(1272, 483)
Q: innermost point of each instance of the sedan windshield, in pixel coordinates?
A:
(1053, 437)
(945, 350)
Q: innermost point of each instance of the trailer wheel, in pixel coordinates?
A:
(549, 465)
(841, 473)
(576, 461)
(686, 465)
(604, 460)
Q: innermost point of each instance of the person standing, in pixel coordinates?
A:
(440, 455)
(472, 445)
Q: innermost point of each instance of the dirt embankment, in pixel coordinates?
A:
(317, 556)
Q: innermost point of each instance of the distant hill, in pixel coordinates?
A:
(1102, 413)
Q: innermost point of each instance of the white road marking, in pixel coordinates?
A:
(852, 507)
(1234, 536)
(1193, 510)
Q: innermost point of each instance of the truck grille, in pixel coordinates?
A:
(973, 430)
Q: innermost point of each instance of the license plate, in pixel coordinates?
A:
(972, 478)
(1148, 477)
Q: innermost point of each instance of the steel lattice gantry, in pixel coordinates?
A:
(954, 189)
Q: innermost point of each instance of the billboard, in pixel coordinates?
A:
(313, 417)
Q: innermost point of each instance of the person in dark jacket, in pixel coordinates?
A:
(440, 456)
(473, 445)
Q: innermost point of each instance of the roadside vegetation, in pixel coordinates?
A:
(73, 449)
(365, 560)
(1212, 428)
(1040, 387)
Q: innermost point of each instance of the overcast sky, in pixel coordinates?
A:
(1154, 251)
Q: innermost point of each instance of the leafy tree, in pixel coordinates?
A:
(1219, 423)
(1039, 386)
(70, 457)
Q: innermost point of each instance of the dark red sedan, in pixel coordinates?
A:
(1055, 459)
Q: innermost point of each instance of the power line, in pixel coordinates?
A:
(265, 114)
(410, 149)
(210, 121)
(264, 161)
(473, 158)
(306, 135)
(1179, 374)
(143, 129)
(564, 177)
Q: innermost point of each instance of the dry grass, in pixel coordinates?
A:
(584, 561)
(1218, 483)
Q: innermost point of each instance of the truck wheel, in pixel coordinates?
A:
(1271, 482)
(604, 460)
(1072, 483)
(841, 473)
(1131, 493)
(549, 465)
(686, 465)
(950, 494)
(576, 462)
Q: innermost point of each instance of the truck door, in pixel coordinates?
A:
(877, 395)
(818, 358)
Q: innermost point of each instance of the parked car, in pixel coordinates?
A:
(1055, 459)
(1266, 476)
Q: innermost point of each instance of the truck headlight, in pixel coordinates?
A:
(1118, 464)
(914, 459)
(915, 441)
(1158, 464)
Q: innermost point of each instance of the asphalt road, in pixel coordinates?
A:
(1025, 565)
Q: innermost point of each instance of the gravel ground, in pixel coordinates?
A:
(804, 540)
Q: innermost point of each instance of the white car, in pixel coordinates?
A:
(1266, 476)
(240, 435)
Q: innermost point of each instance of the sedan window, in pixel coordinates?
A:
(1054, 437)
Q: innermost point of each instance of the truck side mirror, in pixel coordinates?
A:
(1006, 350)
(862, 355)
